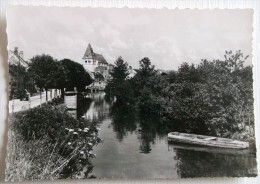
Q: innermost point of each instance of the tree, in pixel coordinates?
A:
(19, 80)
(119, 86)
(146, 68)
(61, 79)
(43, 69)
(143, 74)
(75, 75)
(235, 61)
(171, 77)
(120, 71)
(187, 73)
(220, 99)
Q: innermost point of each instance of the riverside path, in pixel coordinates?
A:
(16, 105)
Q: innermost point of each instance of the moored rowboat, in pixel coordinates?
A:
(207, 149)
(204, 140)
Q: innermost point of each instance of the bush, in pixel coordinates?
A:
(47, 120)
(213, 98)
(60, 134)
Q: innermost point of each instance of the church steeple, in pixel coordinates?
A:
(89, 52)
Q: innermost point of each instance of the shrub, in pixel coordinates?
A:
(62, 135)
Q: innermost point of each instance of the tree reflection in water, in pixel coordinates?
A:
(93, 107)
(192, 163)
(83, 104)
(150, 135)
(123, 119)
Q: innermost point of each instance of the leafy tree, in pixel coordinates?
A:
(75, 74)
(19, 79)
(171, 76)
(61, 78)
(234, 61)
(187, 73)
(120, 72)
(43, 69)
(145, 71)
(213, 98)
(119, 86)
(220, 99)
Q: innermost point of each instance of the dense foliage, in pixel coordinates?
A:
(213, 97)
(75, 75)
(70, 138)
(19, 81)
(119, 86)
(49, 73)
(43, 70)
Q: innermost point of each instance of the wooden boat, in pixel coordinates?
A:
(204, 140)
(207, 149)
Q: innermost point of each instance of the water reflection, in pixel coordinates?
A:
(93, 106)
(123, 117)
(150, 129)
(208, 163)
(137, 147)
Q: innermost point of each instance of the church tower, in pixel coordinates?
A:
(92, 60)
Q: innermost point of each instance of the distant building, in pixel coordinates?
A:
(98, 68)
(17, 73)
(16, 58)
(93, 61)
(132, 72)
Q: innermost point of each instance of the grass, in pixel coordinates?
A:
(39, 154)
(33, 160)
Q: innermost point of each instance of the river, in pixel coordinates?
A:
(135, 148)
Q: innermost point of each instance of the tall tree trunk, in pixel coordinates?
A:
(51, 94)
(40, 97)
(55, 93)
(249, 124)
(46, 93)
(62, 93)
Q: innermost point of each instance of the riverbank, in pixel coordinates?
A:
(213, 98)
(132, 144)
(49, 143)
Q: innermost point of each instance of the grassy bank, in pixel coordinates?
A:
(49, 143)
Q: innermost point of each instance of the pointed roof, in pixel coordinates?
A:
(90, 54)
(15, 59)
(100, 58)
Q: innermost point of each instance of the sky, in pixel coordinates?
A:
(168, 37)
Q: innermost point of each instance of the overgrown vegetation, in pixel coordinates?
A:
(212, 98)
(48, 143)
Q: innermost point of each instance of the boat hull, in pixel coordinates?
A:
(208, 141)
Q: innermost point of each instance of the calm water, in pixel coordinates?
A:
(138, 148)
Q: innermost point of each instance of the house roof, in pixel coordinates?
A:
(90, 54)
(100, 58)
(18, 59)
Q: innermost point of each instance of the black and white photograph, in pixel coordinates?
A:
(129, 93)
